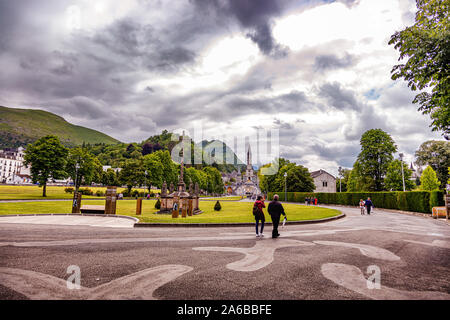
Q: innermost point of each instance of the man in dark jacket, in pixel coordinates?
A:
(369, 205)
(275, 210)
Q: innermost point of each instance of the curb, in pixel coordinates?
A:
(221, 225)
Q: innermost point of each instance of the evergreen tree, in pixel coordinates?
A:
(429, 180)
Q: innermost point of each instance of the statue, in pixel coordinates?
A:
(164, 190)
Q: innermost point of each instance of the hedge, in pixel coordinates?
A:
(415, 201)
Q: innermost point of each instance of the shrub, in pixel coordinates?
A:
(416, 201)
(135, 193)
(158, 204)
(68, 190)
(86, 191)
(99, 193)
(217, 206)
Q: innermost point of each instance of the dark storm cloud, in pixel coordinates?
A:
(342, 154)
(338, 97)
(295, 101)
(331, 61)
(144, 45)
(255, 17)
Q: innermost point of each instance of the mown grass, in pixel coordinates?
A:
(35, 193)
(232, 212)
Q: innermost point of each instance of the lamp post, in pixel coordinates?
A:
(285, 187)
(340, 175)
(145, 183)
(75, 193)
(403, 175)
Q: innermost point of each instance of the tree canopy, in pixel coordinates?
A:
(437, 155)
(394, 179)
(377, 151)
(429, 180)
(47, 158)
(426, 46)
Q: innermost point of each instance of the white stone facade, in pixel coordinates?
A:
(12, 169)
(324, 181)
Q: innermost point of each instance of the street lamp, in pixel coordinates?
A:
(75, 194)
(145, 183)
(77, 166)
(403, 175)
(285, 187)
(340, 175)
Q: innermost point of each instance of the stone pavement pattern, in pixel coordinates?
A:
(323, 261)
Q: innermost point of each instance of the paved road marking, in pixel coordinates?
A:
(139, 285)
(257, 257)
(352, 278)
(368, 251)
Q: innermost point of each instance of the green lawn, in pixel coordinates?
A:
(236, 198)
(232, 212)
(35, 193)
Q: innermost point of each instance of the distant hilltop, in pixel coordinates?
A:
(19, 127)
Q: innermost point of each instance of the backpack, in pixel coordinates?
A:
(255, 210)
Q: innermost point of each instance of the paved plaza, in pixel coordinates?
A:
(330, 260)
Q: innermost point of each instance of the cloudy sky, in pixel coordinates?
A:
(316, 70)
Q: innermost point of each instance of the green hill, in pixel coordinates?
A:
(18, 127)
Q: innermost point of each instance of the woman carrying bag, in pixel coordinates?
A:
(259, 215)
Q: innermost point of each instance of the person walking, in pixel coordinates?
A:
(259, 215)
(361, 206)
(275, 210)
(368, 204)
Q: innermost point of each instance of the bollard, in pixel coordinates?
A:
(76, 205)
(139, 206)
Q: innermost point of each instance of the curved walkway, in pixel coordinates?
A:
(382, 256)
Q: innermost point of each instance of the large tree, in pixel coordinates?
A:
(437, 155)
(426, 46)
(132, 174)
(47, 158)
(377, 152)
(154, 169)
(298, 179)
(358, 182)
(394, 178)
(90, 169)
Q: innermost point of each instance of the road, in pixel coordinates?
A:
(402, 256)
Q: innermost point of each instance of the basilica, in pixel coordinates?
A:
(246, 184)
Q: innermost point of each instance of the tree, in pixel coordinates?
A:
(426, 45)
(132, 174)
(268, 182)
(214, 180)
(154, 169)
(429, 180)
(437, 155)
(90, 169)
(109, 178)
(169, 168)
(298, 179)
(357, 182)
(377, 149)
(47, 158)
(394, 179)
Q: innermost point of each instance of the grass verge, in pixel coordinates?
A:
(232, 212)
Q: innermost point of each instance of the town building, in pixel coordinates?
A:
(12, 169)
(324, 181)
